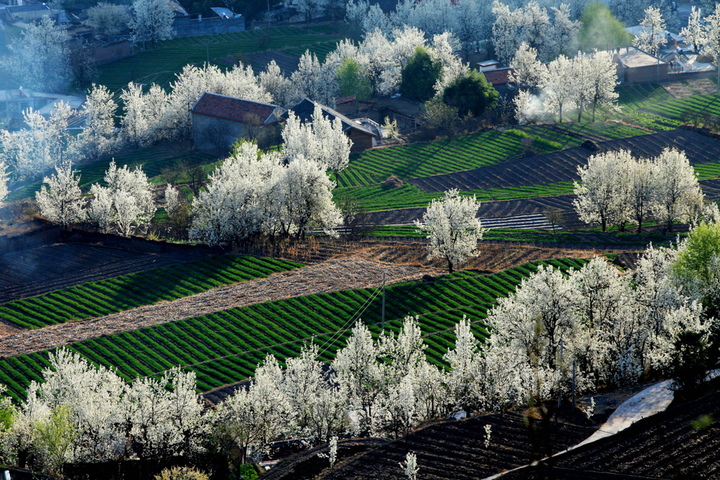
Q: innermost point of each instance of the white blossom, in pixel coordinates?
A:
(152, 21)
(527, 71)
(60, 200)
(694, 32)
(98, 134)
(127, 201)
(452, 227)
(410, 466)
(3, 181)
(40, 57)
(321, 140)
(598, 200)
(44, 144)
(652, 36)
(678, 195)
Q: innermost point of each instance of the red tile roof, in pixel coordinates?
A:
(236, 109)
(498, 76)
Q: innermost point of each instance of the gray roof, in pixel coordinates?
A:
(305, 109)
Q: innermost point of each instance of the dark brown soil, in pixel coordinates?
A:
(449, 450)
(672, 445)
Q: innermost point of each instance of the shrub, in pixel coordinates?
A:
(419, 76)
(471, 94)
(392, 182)
(181, 473)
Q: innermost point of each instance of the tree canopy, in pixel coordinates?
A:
(452, 228)
(353, 81)
(600, 30)
(419, 76)
(471, 93)
(698, 265)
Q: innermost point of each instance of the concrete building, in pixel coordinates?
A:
(637, 66)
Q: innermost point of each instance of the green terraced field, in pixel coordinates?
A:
(225, 347)
(161, 64)
(445, 156)
(96, 299)
(493, 234)
(375, 198)
(468, 152)
(655, 100)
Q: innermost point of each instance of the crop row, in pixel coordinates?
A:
(96, 299)
(656, 100)
(493, 234)
(447, 155)
(375, 198)
(633, 97)
(224, 347)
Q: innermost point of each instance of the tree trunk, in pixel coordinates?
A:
(450, 265)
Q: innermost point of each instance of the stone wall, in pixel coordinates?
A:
(191, 27)
(215, 135)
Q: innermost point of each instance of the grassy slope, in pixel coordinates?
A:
(160, 65)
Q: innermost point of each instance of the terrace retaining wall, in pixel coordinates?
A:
(191, 27)
(138, 244)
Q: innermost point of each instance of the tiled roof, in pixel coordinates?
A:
(28, 8)
(498, 76)
(236, 109)
(305, 109)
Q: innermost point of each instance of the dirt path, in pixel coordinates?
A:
(325, 277)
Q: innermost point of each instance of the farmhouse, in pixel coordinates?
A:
(218, 121)
(27, 13)
(637, 66)
(498, 77)
(364, 133)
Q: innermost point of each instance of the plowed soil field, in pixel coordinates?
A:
(452, 450)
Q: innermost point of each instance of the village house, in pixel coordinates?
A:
(638, 66)
(364, 133)
(218, 121)
(498, 77)
(27, 13)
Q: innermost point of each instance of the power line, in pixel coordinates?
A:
(353, 318)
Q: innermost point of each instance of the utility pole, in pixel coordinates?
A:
(383, 304)
(573, 385)
(559, 404)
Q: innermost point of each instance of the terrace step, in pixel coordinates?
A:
(520, 222)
